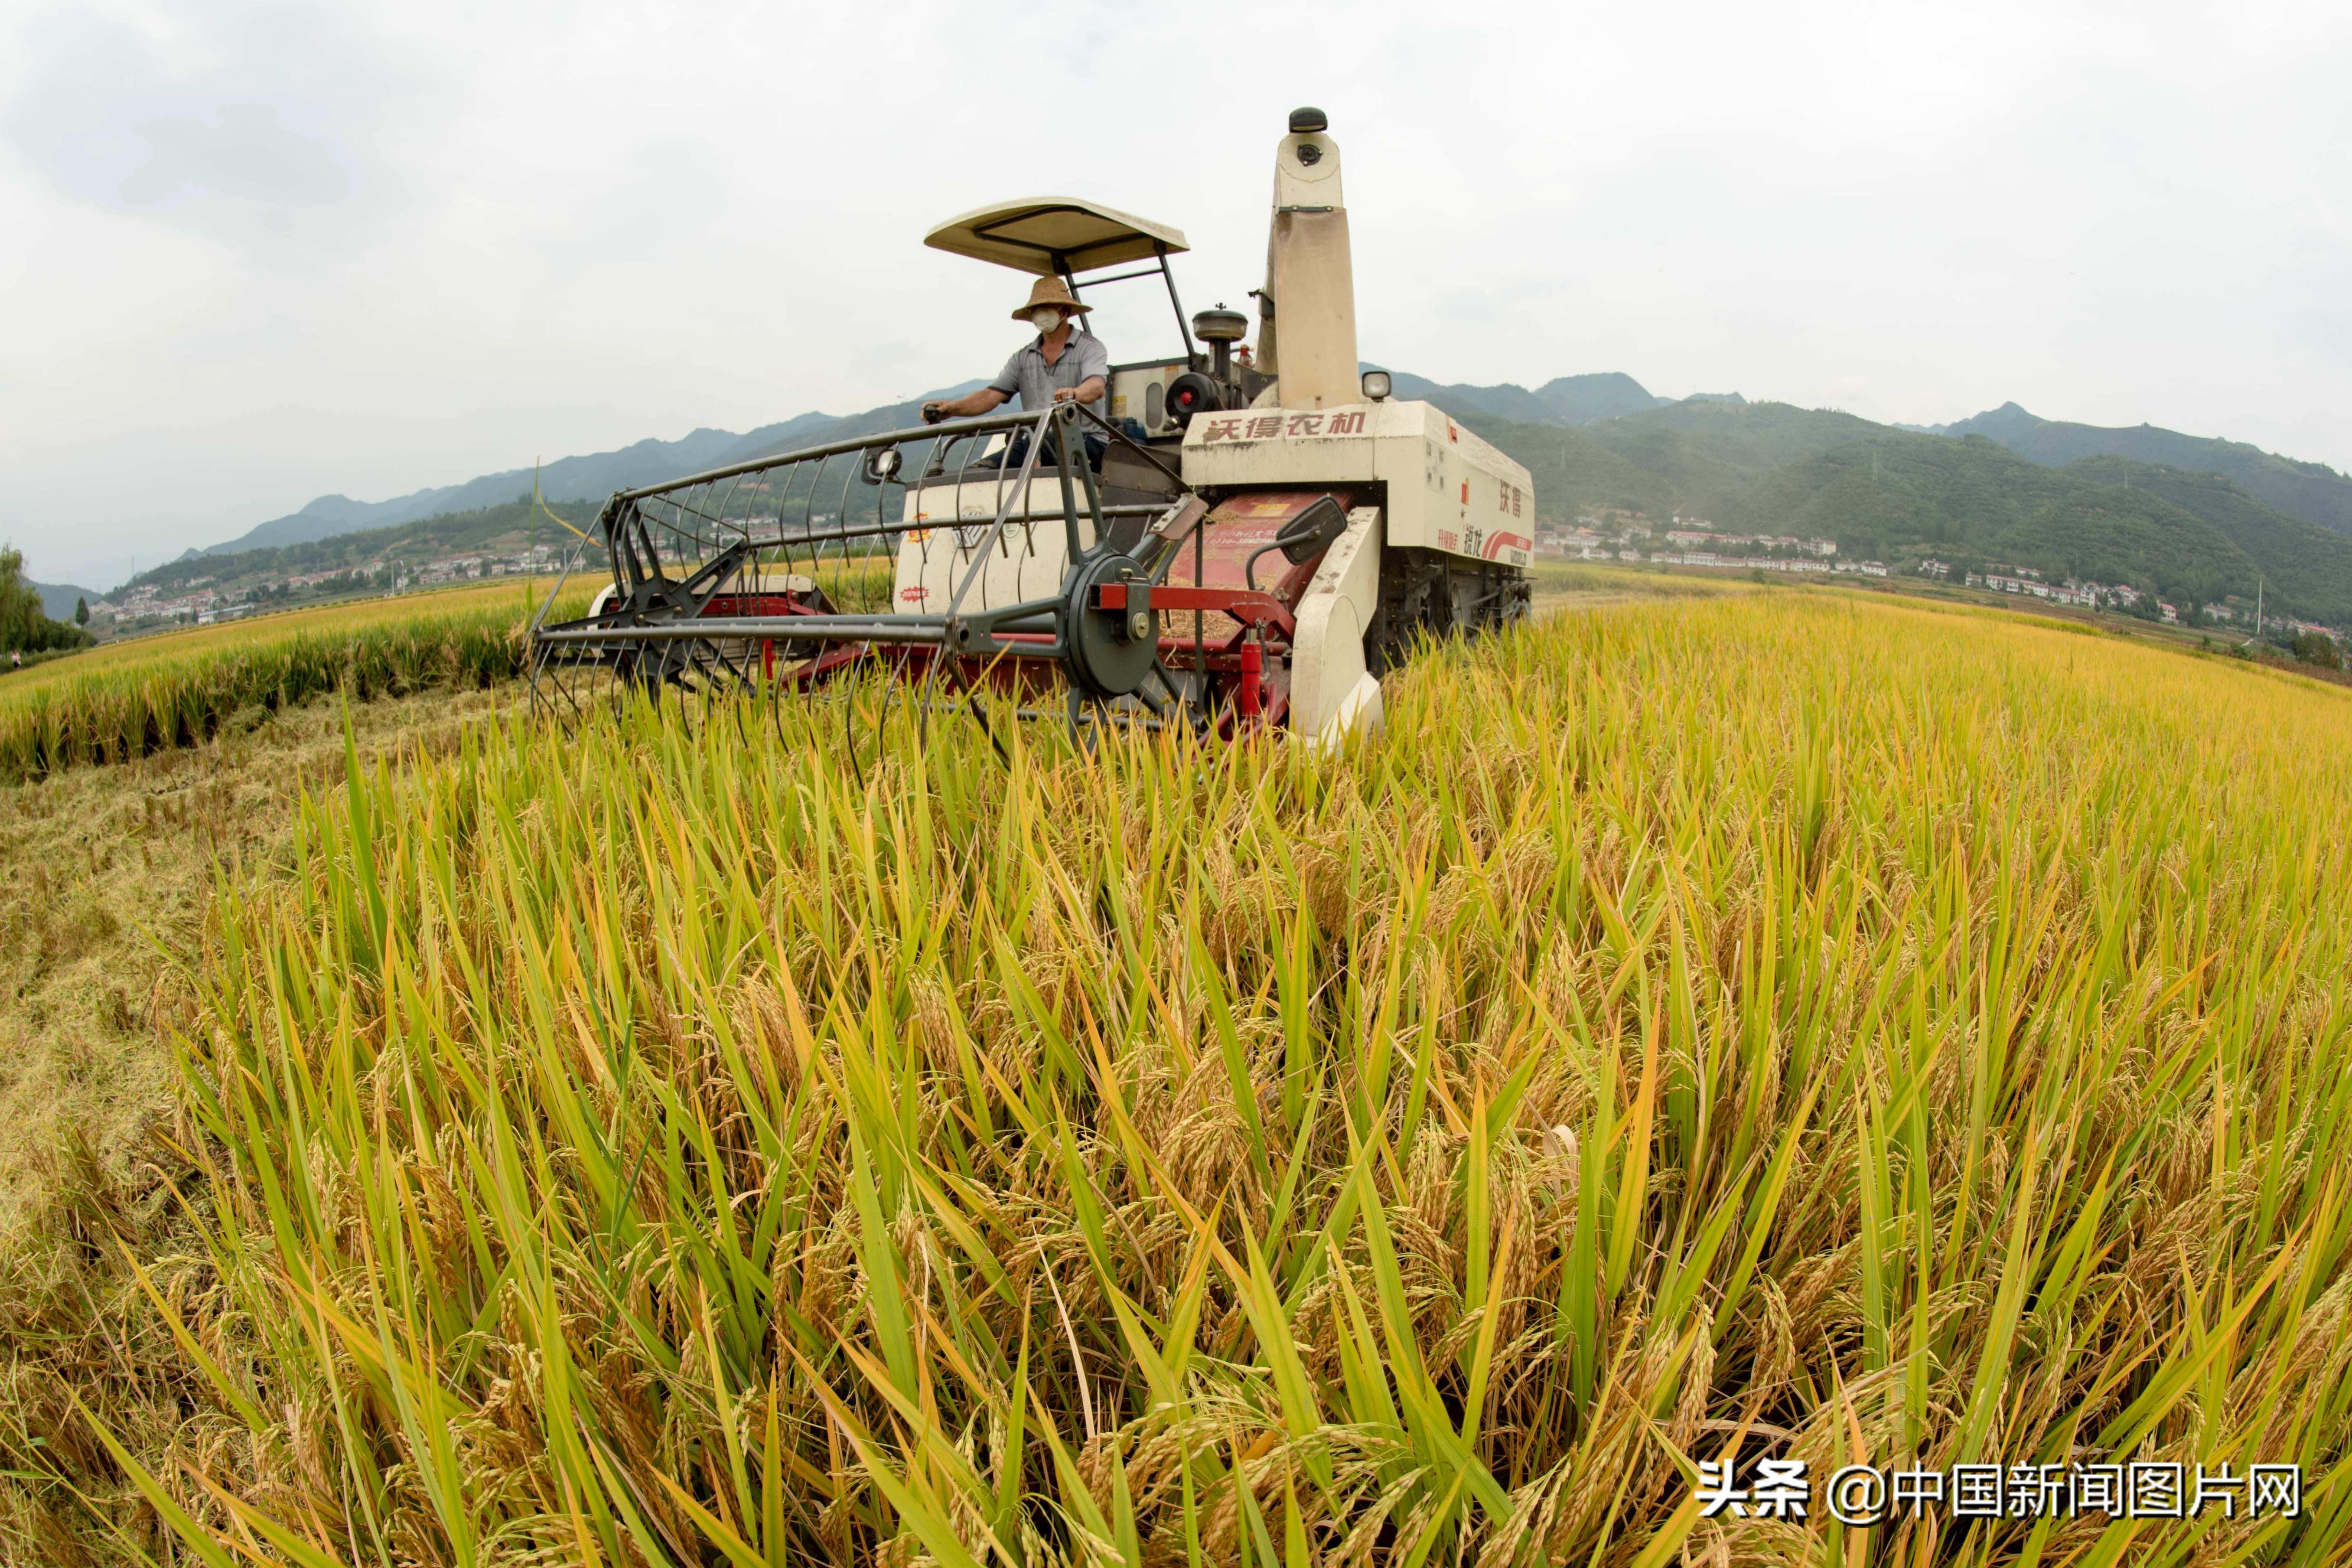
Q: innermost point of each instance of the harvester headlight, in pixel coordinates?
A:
(1376, 386)
(882, 465)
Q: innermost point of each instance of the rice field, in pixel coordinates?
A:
(128, 699)
(1781, 1025)
(343, 615)
(144, 695)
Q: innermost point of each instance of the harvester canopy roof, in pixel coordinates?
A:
(1044, 235)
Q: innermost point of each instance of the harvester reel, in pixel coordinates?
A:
(694, 567)
(657, 599)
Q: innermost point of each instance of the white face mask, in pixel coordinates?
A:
(1045, 321)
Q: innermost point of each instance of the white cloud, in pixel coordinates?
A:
(260, 125)
(277, 249)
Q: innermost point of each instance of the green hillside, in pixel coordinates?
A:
(1574, 473)
(1896, 496)
(2296, 558)
(1694, 457)
(2310, 492)
(1895, 493)
(1604, 394)
(58, 599)
(510, 524)
(1708, 438)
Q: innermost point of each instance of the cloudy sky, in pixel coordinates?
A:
(262, 251)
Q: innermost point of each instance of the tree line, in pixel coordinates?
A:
(25, 627)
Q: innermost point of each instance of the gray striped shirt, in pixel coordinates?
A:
(1028, 373)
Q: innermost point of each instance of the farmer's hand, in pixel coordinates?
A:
(933, 413)
(1063, 394)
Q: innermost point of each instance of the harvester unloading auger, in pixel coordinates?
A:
(1256, 545)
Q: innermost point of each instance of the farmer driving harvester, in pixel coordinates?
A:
(1062, 365)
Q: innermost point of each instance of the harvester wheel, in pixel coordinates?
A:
(1413, 601)
(1424, 593)
(1518, 601)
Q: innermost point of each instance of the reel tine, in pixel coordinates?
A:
(979, 712)
(979, 717)
(848, 734)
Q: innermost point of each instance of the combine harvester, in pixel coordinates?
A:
(1251, 543)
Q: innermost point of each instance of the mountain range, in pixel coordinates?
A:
(590, 478)
(2191, 535)
(568, 479)
(2313, 491)
(1567, 400)
(2185, 515)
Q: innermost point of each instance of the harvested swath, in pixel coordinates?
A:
(673, 1143)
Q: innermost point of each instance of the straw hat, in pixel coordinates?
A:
(1051, 291)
